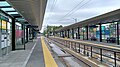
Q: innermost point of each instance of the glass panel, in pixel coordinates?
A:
(8, 9)
(94, 33)
(18, 24)
(85, 33)
(25, 34)
(75, 33)
(12, 12)
(20, 19)
(4, 3)
(81, 33)
(109, 33)
(9, 33)
(70, 33)
(19, 36)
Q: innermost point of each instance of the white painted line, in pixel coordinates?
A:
(25, 63)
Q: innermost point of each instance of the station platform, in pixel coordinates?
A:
(107, 53)
(36, 55)
(91, 42)
(97, 42)
(39, 54)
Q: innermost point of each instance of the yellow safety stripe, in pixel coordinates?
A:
(49, 60)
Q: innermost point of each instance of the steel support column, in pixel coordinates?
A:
(32, 33)
(115, 59)
(78, 33)
(72, 33)
(60, 33)
(23, 38)
(26, 34)
(91, 51)
(79, 48)
(68, 33)
(101, 55)
(76, 36)
(63, 34)
(13, 34)
(87, 32)
(117, 33)
(84, 50)
(100, 32)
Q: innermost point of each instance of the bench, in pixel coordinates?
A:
(111, 40)
(93, 38)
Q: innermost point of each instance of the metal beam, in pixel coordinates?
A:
(6, 13)
(16, 15)
(31, 26)
(11, 11)
(5, 7)
(2, 0)
(26, 23)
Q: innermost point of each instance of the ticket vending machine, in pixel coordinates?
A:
(4, 37)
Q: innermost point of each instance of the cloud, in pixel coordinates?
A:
(61, 7)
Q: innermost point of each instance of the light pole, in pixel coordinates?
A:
(75, 19)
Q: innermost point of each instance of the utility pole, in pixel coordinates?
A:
(75, 19)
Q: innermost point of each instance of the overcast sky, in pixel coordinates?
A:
(64, 12)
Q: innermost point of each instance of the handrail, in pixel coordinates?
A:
(67, 42)
(100, 46)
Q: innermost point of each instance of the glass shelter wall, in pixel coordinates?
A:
(30, 34)
(109, 32)
(70, 33)
(19, 36)
(94, 33)
(81, 33)
(84, 33)
(75, 33)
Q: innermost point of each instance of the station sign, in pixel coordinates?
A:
(4, 24)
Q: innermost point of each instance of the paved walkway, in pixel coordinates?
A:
(36, 59)
(17, 58)
(36, 55)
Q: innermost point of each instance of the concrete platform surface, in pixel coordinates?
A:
(17, 58)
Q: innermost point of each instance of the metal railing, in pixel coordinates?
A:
(105, 54)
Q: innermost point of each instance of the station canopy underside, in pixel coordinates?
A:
(31, 10)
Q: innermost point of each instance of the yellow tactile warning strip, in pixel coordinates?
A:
(49, 60)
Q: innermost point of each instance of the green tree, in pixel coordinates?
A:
(50, 29)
